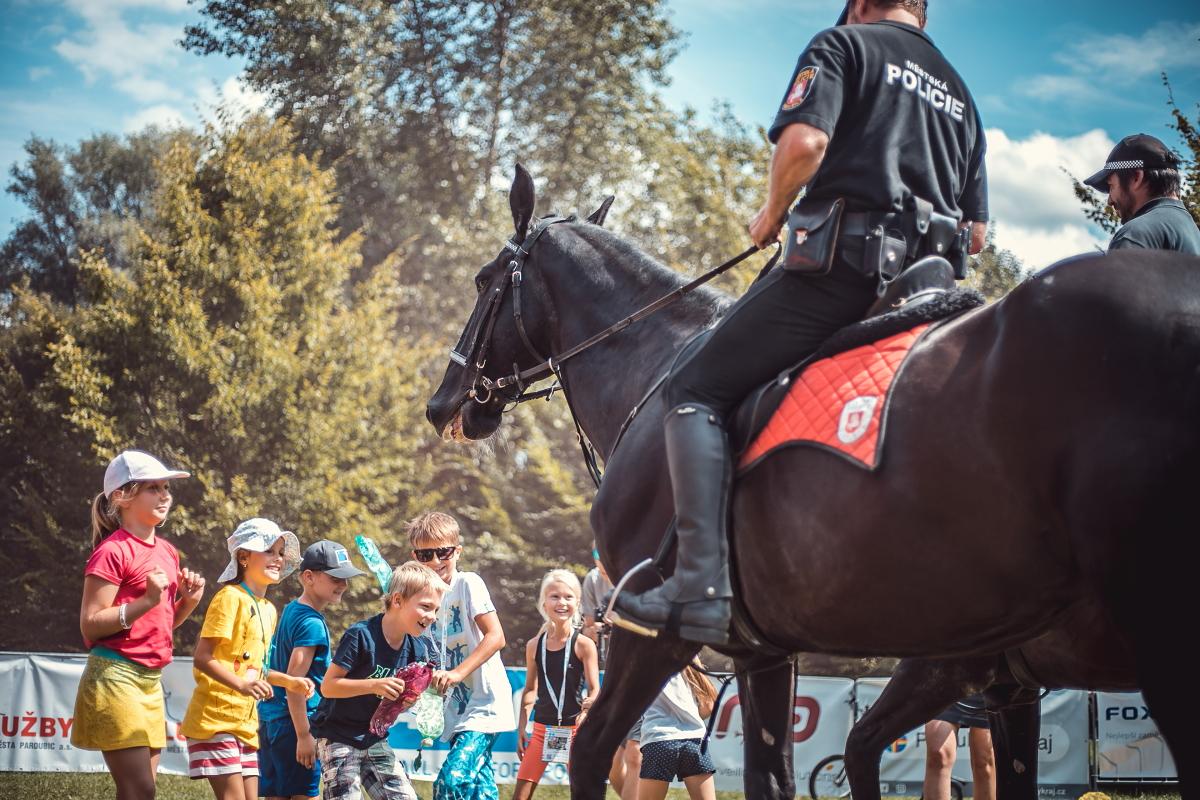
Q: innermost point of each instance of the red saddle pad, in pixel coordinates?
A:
(838, 402)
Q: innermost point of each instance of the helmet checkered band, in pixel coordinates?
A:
(1135, 164)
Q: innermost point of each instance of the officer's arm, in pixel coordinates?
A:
(978, 237)
(797, 157)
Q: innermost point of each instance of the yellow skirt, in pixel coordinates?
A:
(119, 704)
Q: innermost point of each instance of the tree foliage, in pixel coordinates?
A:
(232, 343)
(418, 104)
(82, 198)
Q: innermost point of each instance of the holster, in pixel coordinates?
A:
(812, 237)
(939, 235)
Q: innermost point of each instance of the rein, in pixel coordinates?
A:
(472, 351)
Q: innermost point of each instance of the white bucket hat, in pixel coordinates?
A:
(259, 535)
(134, 465)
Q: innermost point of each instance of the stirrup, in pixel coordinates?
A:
(613, 619)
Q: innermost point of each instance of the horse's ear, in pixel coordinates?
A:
(597, 217)
(520, 200)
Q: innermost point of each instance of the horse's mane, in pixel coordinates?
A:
(647, 271)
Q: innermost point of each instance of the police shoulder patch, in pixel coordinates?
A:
(801, 87)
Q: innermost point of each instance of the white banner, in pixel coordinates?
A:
(821, 720)
(38, 691)
(1129, 746)
(1062, 748)
(37, 708)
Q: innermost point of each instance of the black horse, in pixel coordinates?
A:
(1043, 448)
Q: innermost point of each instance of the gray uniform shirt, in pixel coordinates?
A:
(1161, 224)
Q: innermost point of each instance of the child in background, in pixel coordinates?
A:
(134, 596)
(363, 668)
(672, 729)
(478, 697)
(300, 647)
(230, 664)
(556, 664)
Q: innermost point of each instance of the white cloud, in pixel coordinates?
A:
(1037, 247)
(1031, 199)
(162, 116)
(233, 95)
(1097, 63)
(1124, 59)
(110, 48)
(147, 90)
(37, 73)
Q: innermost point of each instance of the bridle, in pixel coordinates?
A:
(473, 357)
(473, 348)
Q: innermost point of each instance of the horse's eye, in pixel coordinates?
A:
(480, 285)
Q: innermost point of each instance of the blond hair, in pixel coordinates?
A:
(106, 513)
(409, 579)
(568, 578)
(432, 525)
(703, 692)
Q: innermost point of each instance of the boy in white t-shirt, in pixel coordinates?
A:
(479, 704)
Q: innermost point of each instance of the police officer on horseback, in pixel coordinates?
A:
(883, 136)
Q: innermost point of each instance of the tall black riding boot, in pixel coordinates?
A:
(694, 603)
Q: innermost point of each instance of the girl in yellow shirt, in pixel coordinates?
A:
(221, 724)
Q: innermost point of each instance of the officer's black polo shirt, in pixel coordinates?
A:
(900, 121)
(1161, 224)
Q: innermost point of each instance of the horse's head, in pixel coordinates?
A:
(509, 330)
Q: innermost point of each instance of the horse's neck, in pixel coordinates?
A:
(605, 382)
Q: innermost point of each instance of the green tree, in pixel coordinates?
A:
(228, 345)
(417, 104)
(995, 272)
(83, 198)
(233, 342)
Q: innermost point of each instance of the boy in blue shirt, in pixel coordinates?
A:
(356, 762)
(288, 756)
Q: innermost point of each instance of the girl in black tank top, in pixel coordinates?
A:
(558, 661)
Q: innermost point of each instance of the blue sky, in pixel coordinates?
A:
(1058, 81)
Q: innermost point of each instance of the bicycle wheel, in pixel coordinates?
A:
(828, 779)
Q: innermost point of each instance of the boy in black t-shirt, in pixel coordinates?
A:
(361, 673)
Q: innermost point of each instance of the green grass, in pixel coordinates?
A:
(98, 785)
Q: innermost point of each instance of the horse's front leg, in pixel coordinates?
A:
(767, 688)
(919, 690)
(637, 670)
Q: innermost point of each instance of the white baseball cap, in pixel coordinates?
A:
(134, 465)
(258, 535)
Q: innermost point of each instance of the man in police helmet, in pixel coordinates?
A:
(1141, 179)
(885, 138)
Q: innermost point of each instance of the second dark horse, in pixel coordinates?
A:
(1045, 448)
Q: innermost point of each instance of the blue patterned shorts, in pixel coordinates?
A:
(467, 773)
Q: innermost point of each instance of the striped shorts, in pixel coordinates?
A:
(223, 754)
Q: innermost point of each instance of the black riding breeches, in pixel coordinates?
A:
(783, 318)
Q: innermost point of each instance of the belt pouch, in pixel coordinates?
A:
(884, 254)
(813, 227)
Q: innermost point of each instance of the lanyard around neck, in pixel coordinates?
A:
(254, 612)
(562, 690)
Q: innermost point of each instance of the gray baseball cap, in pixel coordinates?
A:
(134, 465)
(330, 558)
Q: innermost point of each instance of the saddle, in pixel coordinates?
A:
(922, 295)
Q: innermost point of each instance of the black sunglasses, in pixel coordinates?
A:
(426, 554)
